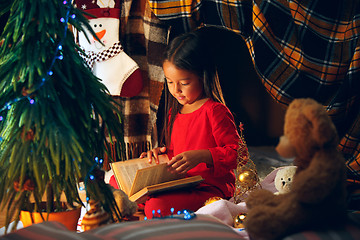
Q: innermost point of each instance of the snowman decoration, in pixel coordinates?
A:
(107, 59)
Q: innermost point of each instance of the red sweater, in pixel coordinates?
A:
(210, 127)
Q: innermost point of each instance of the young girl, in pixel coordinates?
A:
(199, 133)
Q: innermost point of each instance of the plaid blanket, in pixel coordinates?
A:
(299, 49)
(144, 38)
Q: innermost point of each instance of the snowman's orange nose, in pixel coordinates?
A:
(101, 34)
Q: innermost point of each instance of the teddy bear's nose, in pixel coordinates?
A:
(283, 183)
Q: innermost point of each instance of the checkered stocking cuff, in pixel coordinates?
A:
(90, 57)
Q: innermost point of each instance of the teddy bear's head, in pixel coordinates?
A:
(284, 178)
(307, 128)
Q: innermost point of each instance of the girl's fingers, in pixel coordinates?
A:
(156, 156)
(163, 149)
(175, 161)
(183, 169)
(179, 166)
(149, 156)
(154, 153)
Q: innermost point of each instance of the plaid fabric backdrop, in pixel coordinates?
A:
(307, 48)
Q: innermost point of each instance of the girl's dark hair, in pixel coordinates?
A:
(190, 52)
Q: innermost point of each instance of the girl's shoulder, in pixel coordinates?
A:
(210, 107)
(215, 106)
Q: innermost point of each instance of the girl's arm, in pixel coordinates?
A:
(227, 139)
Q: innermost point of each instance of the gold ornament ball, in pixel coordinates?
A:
(248, 178)
(211, 200)
(239, 220)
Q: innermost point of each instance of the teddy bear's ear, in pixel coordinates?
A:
(323, 130)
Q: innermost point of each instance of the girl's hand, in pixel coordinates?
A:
(185, 161)
(154, 153)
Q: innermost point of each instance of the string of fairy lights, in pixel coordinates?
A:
(183, 214)
(58, 56)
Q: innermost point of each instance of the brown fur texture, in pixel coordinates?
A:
(318, 197)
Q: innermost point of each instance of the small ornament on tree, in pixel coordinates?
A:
(246, 174)
(27, 185)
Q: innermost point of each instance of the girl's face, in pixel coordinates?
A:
(184, 85)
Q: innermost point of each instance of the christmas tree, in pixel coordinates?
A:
(57, 118)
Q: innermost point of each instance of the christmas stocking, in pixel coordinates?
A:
(107, 59)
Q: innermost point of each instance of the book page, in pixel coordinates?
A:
(151, 175)
(125, 171)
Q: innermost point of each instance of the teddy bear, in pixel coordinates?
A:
(317, 198)
(283, 179)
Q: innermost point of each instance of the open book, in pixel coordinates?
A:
(137, 178)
